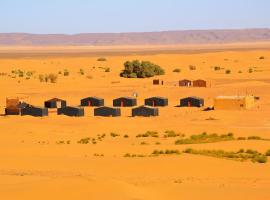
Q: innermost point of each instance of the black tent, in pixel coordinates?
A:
(145, 111)
(71, 111)
(34, 111)
(192, 102)
(92, 101)
(55, 103)
(156, 101)
(125, 102)
(107, 112)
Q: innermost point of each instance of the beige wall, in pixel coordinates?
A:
(234, 104)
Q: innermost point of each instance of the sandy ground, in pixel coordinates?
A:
(34, 166)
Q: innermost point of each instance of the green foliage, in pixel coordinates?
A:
(144, 69)
(52, 78)
(240, 155)
(171, 134)
(267, 153)
(166, 152)
(205, 138)
(148, 134)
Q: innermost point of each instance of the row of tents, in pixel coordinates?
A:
(15, 107)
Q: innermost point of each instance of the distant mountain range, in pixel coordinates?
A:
(147, 38)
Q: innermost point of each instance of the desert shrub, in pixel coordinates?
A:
(217, 68)
(81, 72)
(66, 72)
(260, 159)
(250, 70)
(84, 140)
(107, 69)
(171, 134)
(262, 58)
(166, 152)
(114, 135)
(52, 78)
(228, 71)
(126, 136)
(144, 69)
(144, 143)
(205, 138)
(240, 72)
(41, 78)
(177, 70)
(101, 59)
(192, 67)
(267, 153)
(254, 138)
(148, 134)
(241, 138)
(241, 155)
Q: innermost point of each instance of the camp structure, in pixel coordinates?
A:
(71, 111)
(185, 83)
(156, 102)
(107, 112)
(34, 111)
(92, 102)
(158, 82)
(55, 103)
(192, 102)
(125, 102)
(14, 106)
(145, 111)
(199, 83)
(234, 102)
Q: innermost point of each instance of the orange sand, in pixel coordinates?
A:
(33, 166)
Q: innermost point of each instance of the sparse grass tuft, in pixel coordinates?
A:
(177, 70)
(205, 138)
(241, 155)
(148, 134)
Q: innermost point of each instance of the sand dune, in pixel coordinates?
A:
(36, 165)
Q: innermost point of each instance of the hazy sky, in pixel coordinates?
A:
(79, 16)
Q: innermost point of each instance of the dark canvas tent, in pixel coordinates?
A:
(192, 102)
(156, 101)
(125, 102)
(199, 83)
(145, 111)
(34, 111)
(107, 112)
(71, 111)
(55, 103)
(185, 83)
(92, 102)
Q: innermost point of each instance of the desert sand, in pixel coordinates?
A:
(33, 165)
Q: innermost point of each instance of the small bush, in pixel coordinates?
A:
(217, 68)
(107, 69)
(262, 58)
(250, 70)
(267, 153)
(192, 67)
(81, 72)
(254, 138)
(66, 72)
(228, 71)
(126, 136)
(101, 59)
(177, 70)
(84, 140)
(149, 134)
(114, 135)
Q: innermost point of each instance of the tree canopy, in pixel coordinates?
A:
(143, 69)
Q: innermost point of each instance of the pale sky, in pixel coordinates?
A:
(91, 16)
